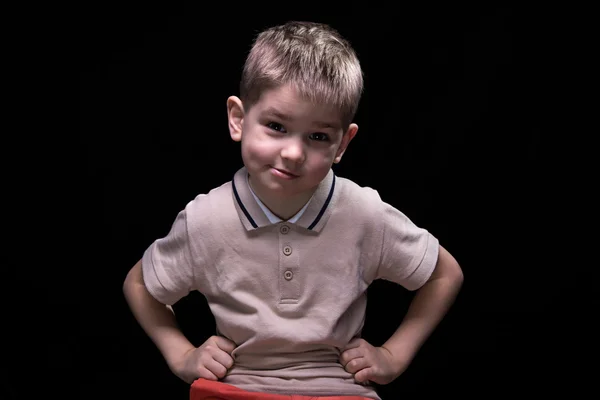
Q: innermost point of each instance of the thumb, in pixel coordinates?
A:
(225, 344)
(363, 375)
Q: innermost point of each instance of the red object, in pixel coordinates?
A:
(203, 389)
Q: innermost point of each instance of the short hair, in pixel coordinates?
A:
(313, 57)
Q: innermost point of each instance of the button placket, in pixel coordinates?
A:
(289, 283)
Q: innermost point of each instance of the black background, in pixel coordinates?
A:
(451, 131)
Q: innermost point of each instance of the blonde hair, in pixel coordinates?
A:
(312, 57)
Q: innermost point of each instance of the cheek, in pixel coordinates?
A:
(257, 149)
(322, 164)
(326, 157)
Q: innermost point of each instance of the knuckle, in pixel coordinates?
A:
(203, 374)
(221, 371)
(204, 353)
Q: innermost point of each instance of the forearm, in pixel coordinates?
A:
(155, 318)
(428, 307)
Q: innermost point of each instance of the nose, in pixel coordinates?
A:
(293, 150)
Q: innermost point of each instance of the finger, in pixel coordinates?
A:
(223, 358)
(205, 373)
(356, 342)
(216, 368)
(356, 364)
(350, 355)
(364, 375)
(224, 344)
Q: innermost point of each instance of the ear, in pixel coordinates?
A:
(348, 136)
(235, 116)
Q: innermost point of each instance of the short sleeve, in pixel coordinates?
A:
(167, 264)
(408, 253)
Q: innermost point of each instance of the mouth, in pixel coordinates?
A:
(283, 173)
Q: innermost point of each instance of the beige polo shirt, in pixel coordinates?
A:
(290, 294)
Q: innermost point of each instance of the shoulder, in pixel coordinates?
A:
(213, 210)
(361, 203)
(361, 199)
(365, 204)
(206, 202)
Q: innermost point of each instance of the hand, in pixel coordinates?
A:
(210, 361)
(369, 363)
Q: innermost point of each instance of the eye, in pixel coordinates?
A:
(320, 137)
(276, 127)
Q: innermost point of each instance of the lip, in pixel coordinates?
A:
(283, 173)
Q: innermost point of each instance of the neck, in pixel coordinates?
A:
(284, 208)
(284, 211)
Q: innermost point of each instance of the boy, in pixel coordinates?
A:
(285, 251)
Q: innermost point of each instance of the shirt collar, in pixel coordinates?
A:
(254, 214)
(274, 219)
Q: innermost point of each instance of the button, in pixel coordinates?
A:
(287, 250)
(288, 275)
(284, 229)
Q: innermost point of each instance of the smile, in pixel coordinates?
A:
(281, 173)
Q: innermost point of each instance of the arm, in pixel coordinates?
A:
(427, 309)
(155, 318)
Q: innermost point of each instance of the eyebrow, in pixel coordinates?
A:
(278, 114)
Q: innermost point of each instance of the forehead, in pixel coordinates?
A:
(286, 103)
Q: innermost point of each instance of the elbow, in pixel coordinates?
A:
(133, 277)
(459, 275)
(448, 269)
(454, 272)
(127, 286)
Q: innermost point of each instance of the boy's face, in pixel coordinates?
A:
(288, 143)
